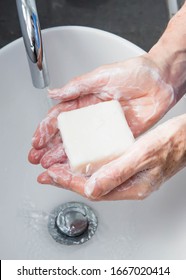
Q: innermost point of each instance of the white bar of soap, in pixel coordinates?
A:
(94, 135)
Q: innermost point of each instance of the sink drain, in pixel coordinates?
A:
(72, 223)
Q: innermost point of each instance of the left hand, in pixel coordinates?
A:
(151, 160)
(138, 84)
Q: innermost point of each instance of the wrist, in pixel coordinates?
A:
(174, 140)
(172, 65)
(169, 53)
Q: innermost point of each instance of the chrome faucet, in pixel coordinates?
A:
(31, 32)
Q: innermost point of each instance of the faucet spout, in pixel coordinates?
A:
(31, 32)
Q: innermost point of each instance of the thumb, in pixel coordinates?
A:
(113, 174)
(136, 159)
(90, 83)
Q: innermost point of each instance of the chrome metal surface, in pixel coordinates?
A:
(72, 223)
(31, 32)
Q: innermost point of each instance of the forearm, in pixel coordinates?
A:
(170, 53)
(176, 157)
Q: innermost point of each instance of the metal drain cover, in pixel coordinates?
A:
(72, 223)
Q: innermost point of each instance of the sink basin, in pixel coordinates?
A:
(154, 228)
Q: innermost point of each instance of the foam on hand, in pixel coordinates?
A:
(94, 135)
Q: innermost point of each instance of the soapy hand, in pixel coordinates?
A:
(137, 84)
(146, 87)
(151, 160)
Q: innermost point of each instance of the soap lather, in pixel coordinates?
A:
(94, 135)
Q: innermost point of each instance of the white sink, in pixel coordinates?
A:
(151, 229)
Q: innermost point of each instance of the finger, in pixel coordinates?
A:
(44, 132)
(35, 155)
(45, 179)
(54, 155)
(137, 187)
(86, 84)
(48, 127)
(62, 175)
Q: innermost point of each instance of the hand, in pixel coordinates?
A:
(151, 160)
(137, 84)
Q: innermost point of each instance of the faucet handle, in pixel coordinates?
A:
(31, 32)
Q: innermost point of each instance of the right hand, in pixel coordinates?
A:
(143, 168)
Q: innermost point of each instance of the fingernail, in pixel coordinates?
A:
(53, 91)
(43, 180)
(89, 188)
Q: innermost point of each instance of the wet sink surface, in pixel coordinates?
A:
(149, 229)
